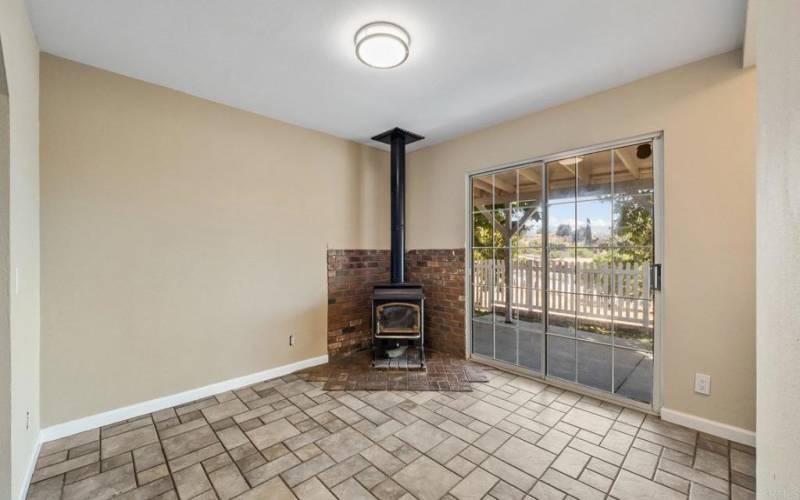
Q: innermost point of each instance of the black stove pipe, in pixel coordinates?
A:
(398, 161)
(397, 139)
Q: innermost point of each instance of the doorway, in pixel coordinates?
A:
(563, 270)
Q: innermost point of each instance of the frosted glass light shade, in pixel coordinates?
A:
(382, 45)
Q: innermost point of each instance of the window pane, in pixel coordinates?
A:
(633, 169)
(503, 306)
(501, 227)
(530, 185)
(502, 263)
(503, 290)
(633, 221)
(633, 323)
(632, 272)
(561, 180)
(483, 338)
(594, 175)
(530, 350)
(516, 298)
(561, 313)
(526, 223)
(482, 266)
(528, 268)
(482, 192)
(505, 189)
(526, 304)
(505, 343)
(561, 225)
(593, 270)
(633, 374)
(561, 357)
(561, 270)
(594, 365)
(529, 310)
(481, 230)
(482, 304)
(593, 318)
(594, 223)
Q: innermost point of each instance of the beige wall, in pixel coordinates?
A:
(183, 240)
(21, 57)
(707, 113)
(778, 219)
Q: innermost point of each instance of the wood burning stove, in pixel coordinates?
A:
(398, 308)
(398, 312)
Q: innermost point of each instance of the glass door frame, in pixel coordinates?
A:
(657, 139)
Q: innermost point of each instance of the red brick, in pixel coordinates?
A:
(353, 273)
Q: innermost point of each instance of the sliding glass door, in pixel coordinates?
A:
(562, 268)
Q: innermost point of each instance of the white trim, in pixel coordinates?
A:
(468, 267)
(659, 257)
(26, 481)
(109, 417)
(719, 429)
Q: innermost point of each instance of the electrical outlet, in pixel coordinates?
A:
(702, 383)
(291, 339)
(27, 420)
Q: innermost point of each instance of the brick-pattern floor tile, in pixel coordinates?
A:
(507, 437)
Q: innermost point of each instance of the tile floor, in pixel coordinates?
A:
(510, 438)
(355, 373)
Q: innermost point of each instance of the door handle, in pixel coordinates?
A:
(655, 277)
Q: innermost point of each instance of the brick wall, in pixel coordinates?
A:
(353, 273)
(441, 272)
(351, 276)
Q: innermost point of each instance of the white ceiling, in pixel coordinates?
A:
(473, 63)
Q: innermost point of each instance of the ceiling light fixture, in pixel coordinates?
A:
(382, 45)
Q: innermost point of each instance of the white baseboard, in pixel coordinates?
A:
(109, 417)
(729, 432)
(26, 481)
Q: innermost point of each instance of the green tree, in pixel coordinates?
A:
(633, 231)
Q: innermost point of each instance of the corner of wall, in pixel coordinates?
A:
(21, 58)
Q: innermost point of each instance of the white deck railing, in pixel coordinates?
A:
(586, 292)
